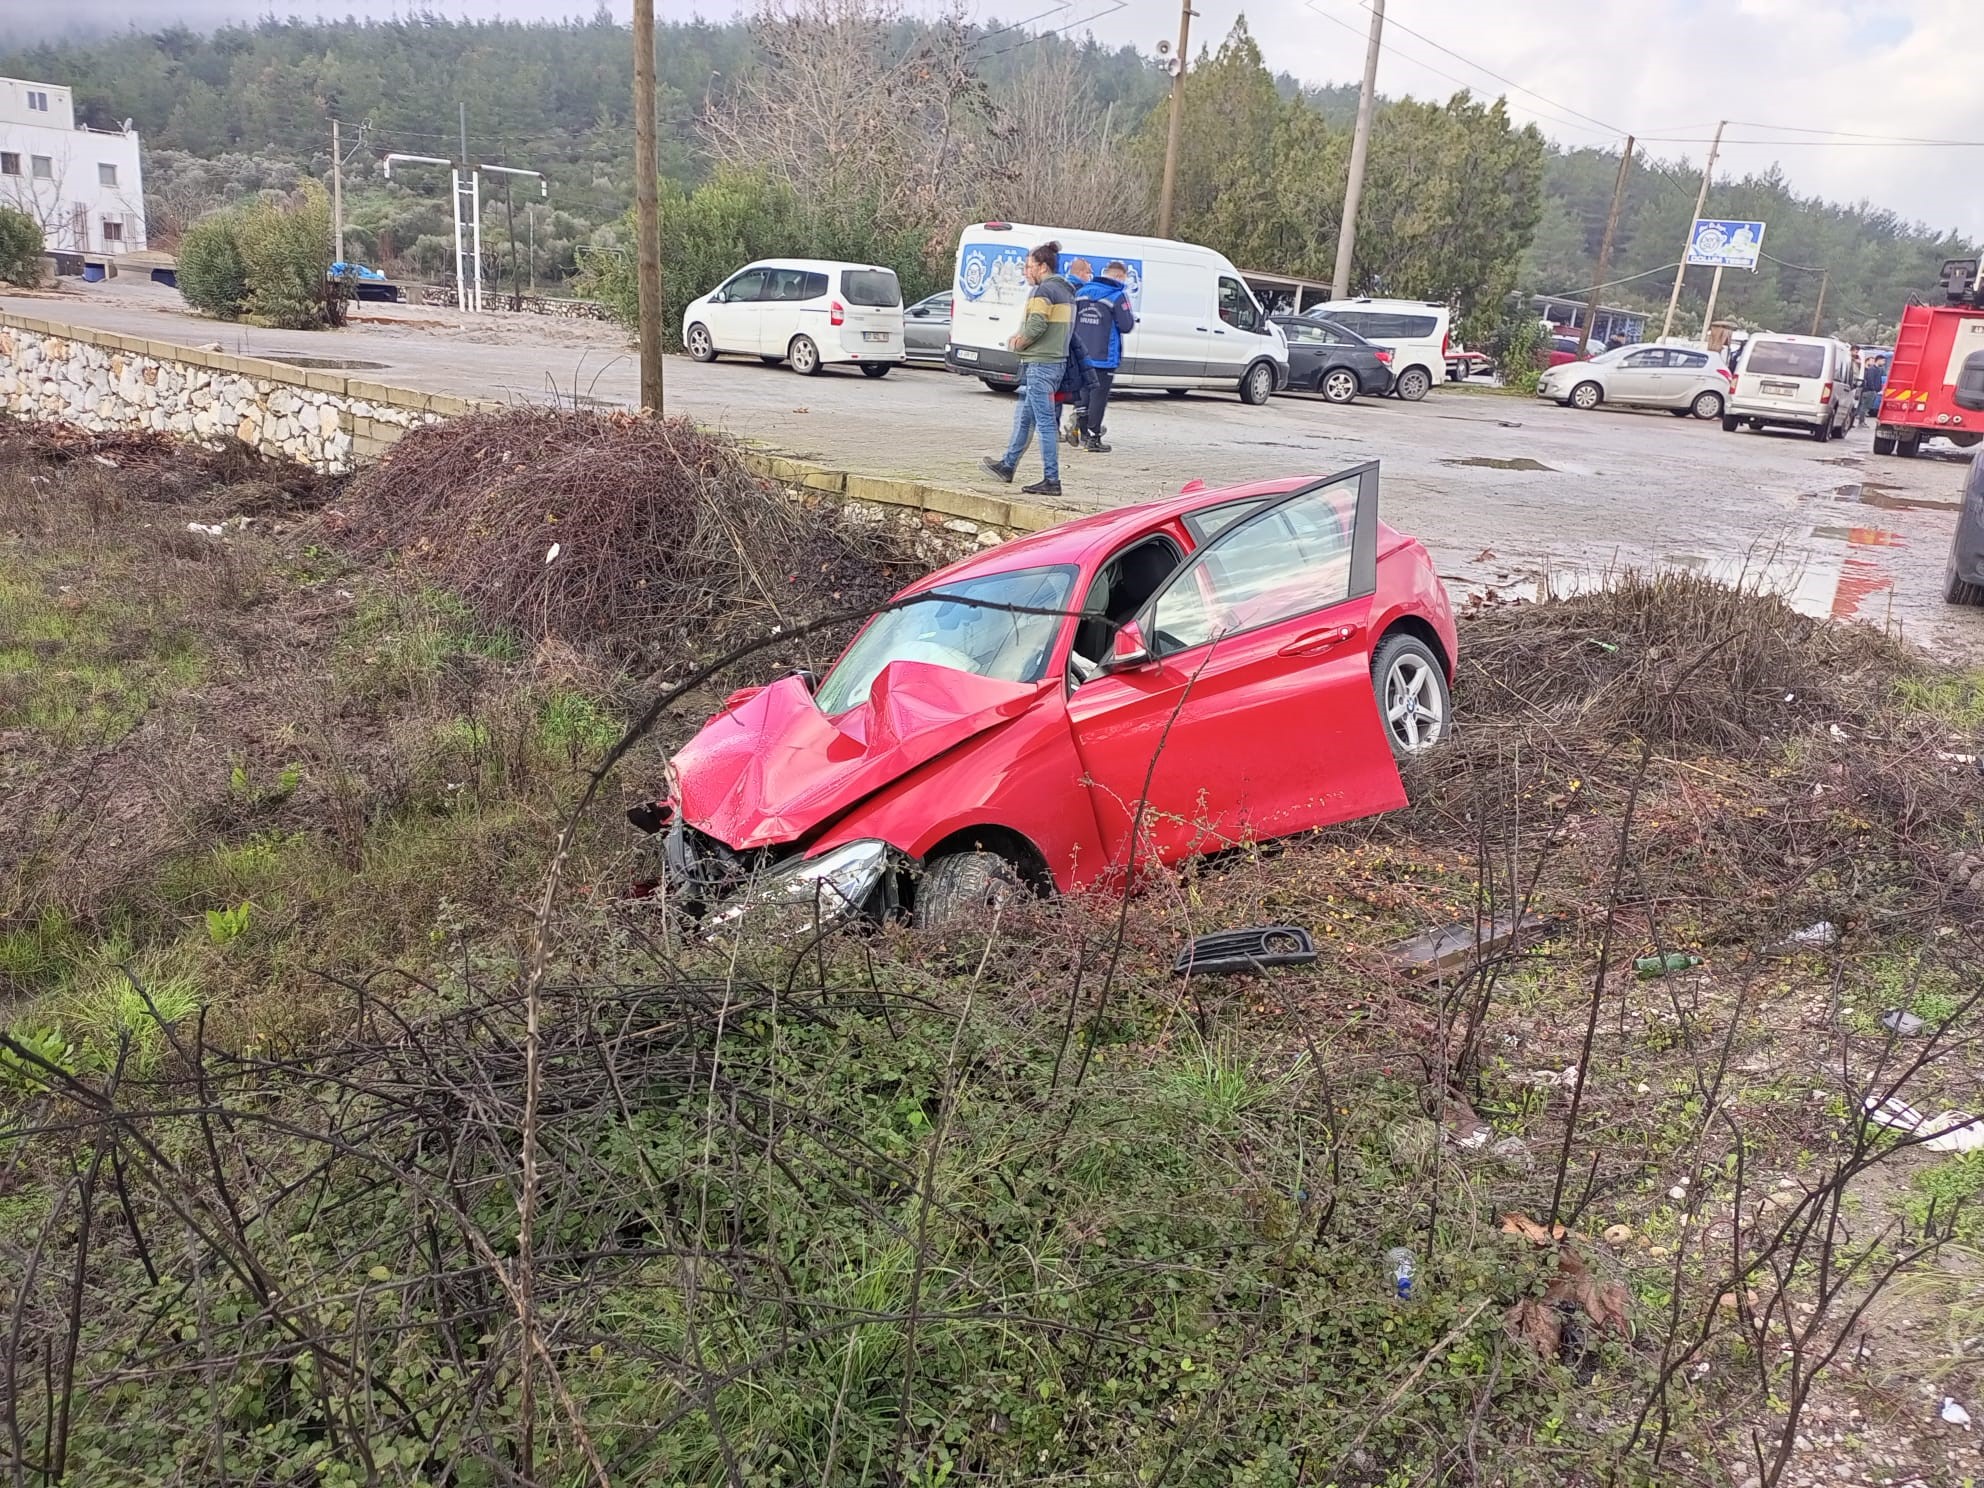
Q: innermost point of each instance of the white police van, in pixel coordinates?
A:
(1198, 325)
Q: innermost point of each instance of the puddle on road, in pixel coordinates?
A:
(1873, 493)
(1490, 462)
(1862, 537)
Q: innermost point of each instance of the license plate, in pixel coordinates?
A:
(965, 355)
(1781, 389)
(874, 335)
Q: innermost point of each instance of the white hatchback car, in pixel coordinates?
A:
(1679, 379)
(807, 312)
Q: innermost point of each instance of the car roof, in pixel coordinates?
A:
(1093, 536)
(1365, 302)
(813, 263)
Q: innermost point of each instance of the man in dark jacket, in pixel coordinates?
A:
(1102, 317)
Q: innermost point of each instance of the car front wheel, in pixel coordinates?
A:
(701, 347)
(1413, 384)
(1585, 396)
(1413, 700)
(1338, 386)
(1258, 385)
(964, 888)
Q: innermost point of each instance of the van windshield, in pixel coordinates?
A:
(1786, 359)
(875, 288)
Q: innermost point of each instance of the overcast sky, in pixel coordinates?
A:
(1665, 70)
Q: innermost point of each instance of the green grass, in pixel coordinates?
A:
(1956, 701)
(81, 672)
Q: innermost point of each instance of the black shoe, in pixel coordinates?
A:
(1042, 488)
(1095, 446)
(997, 471)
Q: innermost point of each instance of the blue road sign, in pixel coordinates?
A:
(1725, 245)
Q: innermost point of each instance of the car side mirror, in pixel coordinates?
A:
(1127, 651)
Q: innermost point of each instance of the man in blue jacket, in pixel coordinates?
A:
(1102, 316)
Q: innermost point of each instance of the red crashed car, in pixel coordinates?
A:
(1219, 667)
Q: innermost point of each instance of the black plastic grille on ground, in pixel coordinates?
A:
(1246, 950)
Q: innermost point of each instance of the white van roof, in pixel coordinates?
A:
(1032, 234)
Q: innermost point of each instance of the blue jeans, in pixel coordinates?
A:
(1035, 412)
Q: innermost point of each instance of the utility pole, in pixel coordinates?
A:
(337, 189)
(647, 209)
(1605, 247)
(1177, 124)
(1825, 278)
(1360, 145)
(1681, 269)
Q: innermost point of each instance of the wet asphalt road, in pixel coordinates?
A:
(1509, 494)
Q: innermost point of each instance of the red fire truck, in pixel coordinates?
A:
(1935, 386)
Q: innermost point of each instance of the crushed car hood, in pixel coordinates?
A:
(774, 766)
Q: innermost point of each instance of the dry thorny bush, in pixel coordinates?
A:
(1014, 1205)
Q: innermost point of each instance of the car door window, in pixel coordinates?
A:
(1121, 589)
(787, 284)
(1693, 361)
(1236, 305)
(1294, 557)
(746, 287)
(1641, 361)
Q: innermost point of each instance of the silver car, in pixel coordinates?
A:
(1678, 378)
(926, 328)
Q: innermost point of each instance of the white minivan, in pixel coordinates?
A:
(1198, 325)
(1415, 331)
(1796, 381)
(807, 312)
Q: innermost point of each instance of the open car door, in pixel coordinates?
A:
(1253, 715)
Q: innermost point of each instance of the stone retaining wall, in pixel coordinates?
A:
(101, 381)
(98, 380)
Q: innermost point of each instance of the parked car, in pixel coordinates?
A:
(1325, 358)
(1463, 364)
(1794, 381)
(805, 312)
(926, 327)
(1131, 687)
(1414, 331)
(1560, 350)
(1678, 378)
(1198, 325)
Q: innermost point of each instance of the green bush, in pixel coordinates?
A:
(20, 248)
(286, 249)
(212, 277)
(267, 262)
(711, 232)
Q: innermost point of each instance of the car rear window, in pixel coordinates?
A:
(1786, 359)
(876, 288)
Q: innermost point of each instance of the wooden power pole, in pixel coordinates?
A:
(1825, 278)
(647, 209)
(1360, 146)
(1605, 247)
(1169, 190)
(337, 189)
(1688, 241)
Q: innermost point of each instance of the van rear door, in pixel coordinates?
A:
(867, 314)
(1785, 377)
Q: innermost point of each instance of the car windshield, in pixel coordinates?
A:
(984, 626)
(875, 288)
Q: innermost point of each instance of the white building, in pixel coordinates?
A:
(82, 185)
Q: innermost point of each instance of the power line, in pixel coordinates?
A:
(1562, 108)
(1460, 82)
(1892, 139)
